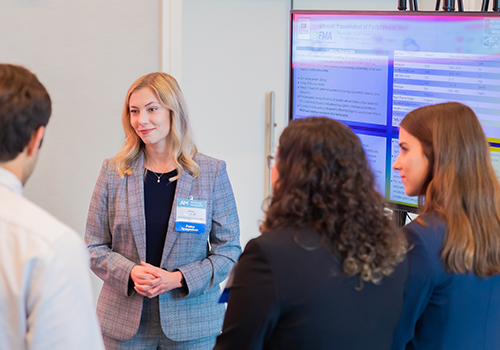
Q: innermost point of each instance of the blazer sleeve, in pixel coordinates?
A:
(253, 306)
(224, 240)
(419, 287)
(112, 267)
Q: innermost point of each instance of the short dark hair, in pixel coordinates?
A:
(24, 107)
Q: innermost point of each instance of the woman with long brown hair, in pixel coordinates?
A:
(326, 273)
(453, 295)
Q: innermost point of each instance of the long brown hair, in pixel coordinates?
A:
(326, 184)
(169, 94)
(461, 185)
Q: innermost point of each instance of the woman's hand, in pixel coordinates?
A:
(145, 278)
(151, 281)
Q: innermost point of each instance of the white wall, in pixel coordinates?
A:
(86, 53)
(234, 53)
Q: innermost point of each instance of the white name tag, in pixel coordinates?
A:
(191, 215)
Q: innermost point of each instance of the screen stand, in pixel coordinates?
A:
(484, 6)
(399, 217)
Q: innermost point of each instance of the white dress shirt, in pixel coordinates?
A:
(45, 290)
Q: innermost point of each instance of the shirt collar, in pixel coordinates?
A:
(9, 180)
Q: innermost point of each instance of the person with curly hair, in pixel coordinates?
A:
(329, 269)
(453, 293)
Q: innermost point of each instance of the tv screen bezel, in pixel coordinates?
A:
(389, 204)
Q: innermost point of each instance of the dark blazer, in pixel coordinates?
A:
(116, 239)
(289, 292)
(445, 311)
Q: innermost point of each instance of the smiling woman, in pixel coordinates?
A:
(148, 98)
(162, 229)
(150, 119)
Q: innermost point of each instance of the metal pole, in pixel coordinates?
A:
(495, 6)
(485, 5)
(270, 143)
(449, 5)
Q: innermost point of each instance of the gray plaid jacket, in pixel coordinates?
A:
(116, 238)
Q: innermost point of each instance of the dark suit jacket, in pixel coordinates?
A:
(443, 311)
(289, 292)
(116, 239)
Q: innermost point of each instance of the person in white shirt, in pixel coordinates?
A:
(45, 290)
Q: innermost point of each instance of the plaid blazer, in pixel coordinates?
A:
(116, 238)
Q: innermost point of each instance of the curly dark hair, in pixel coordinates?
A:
(326, 184)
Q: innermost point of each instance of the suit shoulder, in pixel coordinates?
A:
(286, 239)
(429, 228)
(111, 171)
(111, 168)
(109, 161)
(427, 223)
(275, 236)
(207, 162)
(209, 166)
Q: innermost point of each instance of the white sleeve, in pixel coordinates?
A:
(59, 303)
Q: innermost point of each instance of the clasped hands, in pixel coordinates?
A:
(150, 281)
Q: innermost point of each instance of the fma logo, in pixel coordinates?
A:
(322, 35)
(325, 35)
(184, 202)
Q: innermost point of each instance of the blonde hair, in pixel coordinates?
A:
(183, 149)
(461, 185)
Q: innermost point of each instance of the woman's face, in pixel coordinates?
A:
(411, 163)
(149, 118)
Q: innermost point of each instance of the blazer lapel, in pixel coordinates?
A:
(135, 205)
(183, 191)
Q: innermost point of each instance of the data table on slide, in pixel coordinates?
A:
(423, 78)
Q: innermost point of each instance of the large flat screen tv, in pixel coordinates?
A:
(369, 69)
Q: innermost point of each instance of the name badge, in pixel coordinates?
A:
(191, 215)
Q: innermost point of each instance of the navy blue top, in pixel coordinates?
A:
(158, 200)
(289, 292)
(441, 310)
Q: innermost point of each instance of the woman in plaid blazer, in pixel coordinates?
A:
(161, 284)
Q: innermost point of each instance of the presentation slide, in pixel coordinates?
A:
(341, 84)
(375, 149)
(370, 69)
(495, 160)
